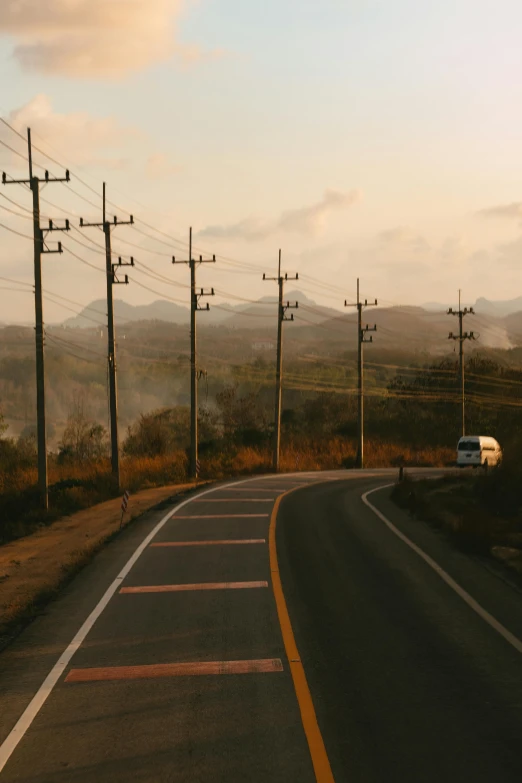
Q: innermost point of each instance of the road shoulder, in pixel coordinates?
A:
(33, 569)
(487, 582)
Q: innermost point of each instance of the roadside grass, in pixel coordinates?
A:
(73, 487)
(481, 513)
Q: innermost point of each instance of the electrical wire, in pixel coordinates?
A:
(12, 231)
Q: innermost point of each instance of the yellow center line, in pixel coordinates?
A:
(320, 761)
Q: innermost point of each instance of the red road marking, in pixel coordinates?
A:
(251, 489)
(222, 516)
(235, 500)
(211, 543)
(174, 670)
(201, 586)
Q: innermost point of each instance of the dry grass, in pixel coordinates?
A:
(339, 453)
(460, 506)
(74, 487)
(33, 568)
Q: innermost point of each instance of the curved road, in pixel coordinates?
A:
(167, 658)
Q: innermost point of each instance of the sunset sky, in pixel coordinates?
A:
(379, 138)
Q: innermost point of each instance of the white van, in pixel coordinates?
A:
(478, 450)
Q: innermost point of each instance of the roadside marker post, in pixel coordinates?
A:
(124, 503)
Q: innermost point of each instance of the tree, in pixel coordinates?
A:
(166, 430)
(83, 439)
(243, 420)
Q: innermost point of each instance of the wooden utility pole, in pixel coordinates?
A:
(195, 306)
(361, 339)
(282, 310)
(40, 248)
(112, 280)
(461, 336)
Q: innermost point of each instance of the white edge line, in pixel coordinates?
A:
(513, 640)
(17, 733)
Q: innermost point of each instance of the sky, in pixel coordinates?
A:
(377, 139)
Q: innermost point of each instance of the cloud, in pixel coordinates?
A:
(511, 211)
(79, 137)
(309, 220)
(510, 253)
(405, 238)
(94, 38)
(159, 166)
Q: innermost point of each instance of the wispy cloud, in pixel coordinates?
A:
(404, 237)
(94, 38)
(159, 166)
(510, 253)
(308, 220)
(511, 211)
(81, 139)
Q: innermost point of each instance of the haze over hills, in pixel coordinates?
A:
(422, 328)
(482, 306)
(237, 316)
(507, 307)
(255, 315)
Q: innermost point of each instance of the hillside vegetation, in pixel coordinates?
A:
(412, 409)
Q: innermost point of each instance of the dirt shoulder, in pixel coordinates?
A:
(476, 513)
(32, 569)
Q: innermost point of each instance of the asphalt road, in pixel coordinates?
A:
(182, 674)
(409, 683)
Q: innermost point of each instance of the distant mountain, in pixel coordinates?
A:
(125, 313)
(418, 329)
(498, 309)
(234, 316)
(258, 315)
(482, 306)
(436, 307)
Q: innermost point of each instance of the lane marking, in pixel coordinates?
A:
(262, 666)
(223, 516)
(236, 500)
(290, 485)
(320, 761)
(226, 542)
(23, 724)
(256, 489)
(513, 640)
(188, 587)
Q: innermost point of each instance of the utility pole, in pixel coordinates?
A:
(282, 316)
(112, 280)
(361, 339)
(40, 248)
(195, 307)
(461, 336)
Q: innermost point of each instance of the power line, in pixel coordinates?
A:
(19, 154)
(83, 261)
(195, 307)
(112, 280)
(70, 353)
(362, 338)
(17, 282)
(71, 309)
(282, 316)
(12, 231)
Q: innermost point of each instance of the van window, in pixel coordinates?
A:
(469, 445)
